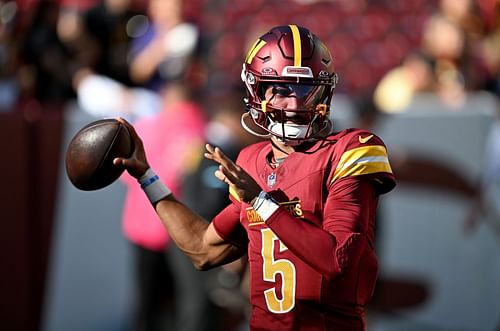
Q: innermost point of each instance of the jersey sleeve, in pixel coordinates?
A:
(227, 225)
(338, 244)
(364, 154)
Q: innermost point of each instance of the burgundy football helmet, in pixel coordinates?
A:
(288, 61)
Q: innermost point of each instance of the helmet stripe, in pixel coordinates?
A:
(297, 47)
(254, 49)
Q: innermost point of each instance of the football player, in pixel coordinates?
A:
(303, 201)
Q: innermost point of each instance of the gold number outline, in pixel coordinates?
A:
(270, 268)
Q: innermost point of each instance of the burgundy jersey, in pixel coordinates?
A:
(312, 263)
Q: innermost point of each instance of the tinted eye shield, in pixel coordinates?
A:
(308, 95)
(304, 92)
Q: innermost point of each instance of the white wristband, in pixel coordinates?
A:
(154, 188)
(265, 205)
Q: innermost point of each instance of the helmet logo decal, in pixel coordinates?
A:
(297, 47)
(250, 78)
(269, 71)
(290, 71)
(254, 49)
(323, 74)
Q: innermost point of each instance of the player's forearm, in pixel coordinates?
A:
(194, 235)
(339, 243)
(315, 246)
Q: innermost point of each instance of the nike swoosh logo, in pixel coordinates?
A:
(365, 139)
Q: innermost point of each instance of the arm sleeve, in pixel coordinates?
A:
(346, 228)
(227, 225)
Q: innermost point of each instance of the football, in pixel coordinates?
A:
(90, 154)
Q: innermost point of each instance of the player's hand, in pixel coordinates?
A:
(233, 175)
(137, 163)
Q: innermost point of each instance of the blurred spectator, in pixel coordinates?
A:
(399, 86)
(208, 196)
(99, 38)
(172, 136)
(165, 48)
(458, 66)
(110, 23)
(490, 48)
(201, 190)
(103, 96)
(448, 63)
(9, 83)
(47, 62)
(465, 14)
(164, 61)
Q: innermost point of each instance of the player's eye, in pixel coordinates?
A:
(271, 91)
(282, 90)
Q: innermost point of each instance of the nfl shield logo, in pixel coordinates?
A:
(271, 180)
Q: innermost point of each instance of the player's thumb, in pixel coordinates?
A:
(135, 169)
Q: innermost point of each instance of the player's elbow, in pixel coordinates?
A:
(330, 271)
(348, 255)
(201, 261)
(203, 265)
(338, 267)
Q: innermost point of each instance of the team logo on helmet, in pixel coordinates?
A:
(268, 71)
(323, 74)
(291, 71)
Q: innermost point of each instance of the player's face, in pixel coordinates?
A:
(290, 97)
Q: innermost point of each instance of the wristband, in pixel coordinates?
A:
(265, 205)
(154, 188)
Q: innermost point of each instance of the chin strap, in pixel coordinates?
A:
(249, 130)
(246, 116)
(326, 130)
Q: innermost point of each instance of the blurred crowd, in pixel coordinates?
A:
(393, 48)
(143, 59)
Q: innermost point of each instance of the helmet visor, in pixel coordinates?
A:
(307, 96)
(293, 102)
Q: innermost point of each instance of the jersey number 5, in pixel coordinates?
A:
(271, 267)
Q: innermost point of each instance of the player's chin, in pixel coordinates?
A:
(286, 142)
(293, 143)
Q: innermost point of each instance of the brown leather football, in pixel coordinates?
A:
(90, 154)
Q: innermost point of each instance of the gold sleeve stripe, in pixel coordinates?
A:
(362, 161)
(234, 194)
(297, 46)
(254, 49)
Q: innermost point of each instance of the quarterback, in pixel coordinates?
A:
(303, 201)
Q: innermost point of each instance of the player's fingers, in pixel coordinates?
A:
(225, 161)
(209, 153)
(121, 161)
(229, 169)
(117, 161)
(231, 177)
(129, 127)
(216, 154)
(138, 145)
(209, 148)
(220, 176)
